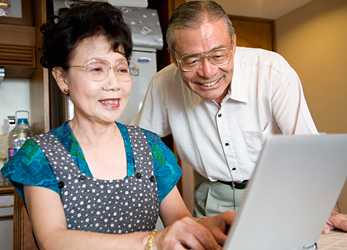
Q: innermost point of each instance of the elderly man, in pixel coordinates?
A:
(220, 101)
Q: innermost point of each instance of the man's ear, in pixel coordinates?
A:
(173, 58)
(59, 75)
(233, 39)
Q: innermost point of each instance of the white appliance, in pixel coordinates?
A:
(143, 66)
(132, 3)
(147, 39)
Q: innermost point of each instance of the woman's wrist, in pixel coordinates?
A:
(150, 241)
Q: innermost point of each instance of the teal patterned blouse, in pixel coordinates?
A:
(30, 166)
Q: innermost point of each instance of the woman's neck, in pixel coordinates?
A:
(87, 132)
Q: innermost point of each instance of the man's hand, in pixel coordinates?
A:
(185, 233)
(337, 220)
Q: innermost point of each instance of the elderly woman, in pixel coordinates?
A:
(94, 183)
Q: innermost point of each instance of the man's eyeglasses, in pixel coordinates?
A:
(218, 57)
(99, 70)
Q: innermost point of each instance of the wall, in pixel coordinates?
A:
(314, 41)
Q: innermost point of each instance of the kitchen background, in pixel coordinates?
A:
(309, 34)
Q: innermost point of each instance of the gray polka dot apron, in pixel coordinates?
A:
(107, 206)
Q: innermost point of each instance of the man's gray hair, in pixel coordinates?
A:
(193, 13)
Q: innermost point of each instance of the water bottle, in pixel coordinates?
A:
(19, 134)
(11, 123)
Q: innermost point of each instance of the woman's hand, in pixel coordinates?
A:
(185, 233)
(219, 225)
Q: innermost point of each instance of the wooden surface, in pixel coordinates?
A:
(23, 238)
(253, 32)
(333, 241)
(17, 35)
(17, 52)
(7, 189)
(27, 15)
(39, 101)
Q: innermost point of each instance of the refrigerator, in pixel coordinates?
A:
(147, 39)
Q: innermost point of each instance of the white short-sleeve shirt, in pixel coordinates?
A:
(223, 142)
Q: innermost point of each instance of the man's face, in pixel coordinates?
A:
(205, 57)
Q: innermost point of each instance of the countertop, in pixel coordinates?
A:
(333, 241)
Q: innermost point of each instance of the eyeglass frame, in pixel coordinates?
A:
(110, 66)
(203, 55)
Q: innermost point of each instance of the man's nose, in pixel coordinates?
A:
(206, 68)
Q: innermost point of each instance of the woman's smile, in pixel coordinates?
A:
(110, 103)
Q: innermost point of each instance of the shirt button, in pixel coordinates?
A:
(61, 184)
(226, 144)
(233, 169)
(219, 115)
(81, 177)
(138, 175)
(152, 178)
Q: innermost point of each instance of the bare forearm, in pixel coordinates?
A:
(75, 240)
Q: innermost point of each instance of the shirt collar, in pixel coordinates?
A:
(238, 89)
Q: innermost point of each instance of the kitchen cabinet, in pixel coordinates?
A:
(20, 48)
(6, 217)
(26, 18)
(17, 50)
(17, 42)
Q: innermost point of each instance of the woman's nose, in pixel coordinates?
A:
(112, 81)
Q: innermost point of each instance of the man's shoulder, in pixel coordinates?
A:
(259, 57)
(168, 72)
(243, 53)
(167, 81)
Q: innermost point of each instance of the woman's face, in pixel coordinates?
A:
(98, 80)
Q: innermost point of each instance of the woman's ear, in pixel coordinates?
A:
(60, 77)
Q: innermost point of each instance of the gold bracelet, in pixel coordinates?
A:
(150, 239)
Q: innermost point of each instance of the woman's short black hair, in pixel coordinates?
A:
(61, 34)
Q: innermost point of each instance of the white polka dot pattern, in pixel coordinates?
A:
(108, 206)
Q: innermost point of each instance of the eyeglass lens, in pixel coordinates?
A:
(218, 57)
(99, 70)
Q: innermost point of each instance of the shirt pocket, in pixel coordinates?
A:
(254, 141)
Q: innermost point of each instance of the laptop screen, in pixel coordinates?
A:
(292, 191)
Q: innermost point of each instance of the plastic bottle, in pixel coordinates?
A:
(11, 123)
(19, 134)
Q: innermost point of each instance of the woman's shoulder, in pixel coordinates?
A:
(27, 154)
(28, 158)
(149, 134)
(29, 167)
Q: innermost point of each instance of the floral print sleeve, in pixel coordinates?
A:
(30, 167)
(166, 169)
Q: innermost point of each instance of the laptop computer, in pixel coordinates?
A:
(293, 189)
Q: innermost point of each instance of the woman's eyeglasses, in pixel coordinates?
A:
(99, 70)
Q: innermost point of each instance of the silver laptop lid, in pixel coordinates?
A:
(292, 191)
